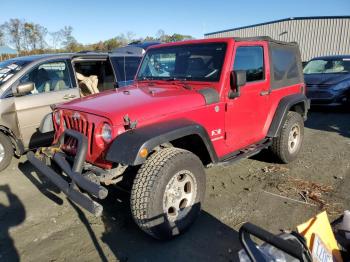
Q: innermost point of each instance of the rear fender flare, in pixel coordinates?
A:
(283, 107)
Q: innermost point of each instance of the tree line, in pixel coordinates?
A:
(31, 38)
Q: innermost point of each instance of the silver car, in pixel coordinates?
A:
(30, 86)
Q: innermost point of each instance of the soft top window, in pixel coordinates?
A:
(286, 65)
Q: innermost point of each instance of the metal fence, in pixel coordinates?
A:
(316, 36)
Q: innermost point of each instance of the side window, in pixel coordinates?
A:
(284, 63)
(53, 76)
(126, 67)
(250, 59)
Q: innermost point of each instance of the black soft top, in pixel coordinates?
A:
(285, 61)
(263, 38)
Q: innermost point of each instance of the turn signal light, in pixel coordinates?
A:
(143, 152)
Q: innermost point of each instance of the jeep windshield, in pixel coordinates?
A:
(193, 62)
(9, 68)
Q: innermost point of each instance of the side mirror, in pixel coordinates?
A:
(238, 79)
(291, 245)
(23, 89)
(46, 124)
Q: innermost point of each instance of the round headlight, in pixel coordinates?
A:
(57, 118)
(106, 132)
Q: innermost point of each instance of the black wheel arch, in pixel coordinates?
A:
(296, 102)
(126, 147)
(17, 143)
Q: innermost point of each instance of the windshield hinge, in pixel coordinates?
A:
(128, 123)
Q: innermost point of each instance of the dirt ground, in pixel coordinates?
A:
(37, 223)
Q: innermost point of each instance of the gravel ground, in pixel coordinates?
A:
(38, 223)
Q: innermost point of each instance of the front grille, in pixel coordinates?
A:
(319, 95)
(81, 125)
(322, 86)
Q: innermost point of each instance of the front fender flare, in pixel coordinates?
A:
(126, 147)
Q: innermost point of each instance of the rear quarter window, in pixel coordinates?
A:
(286, 65)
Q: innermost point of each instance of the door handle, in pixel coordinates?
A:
(67, 96)
(265, 93)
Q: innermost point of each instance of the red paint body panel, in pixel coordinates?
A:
(231, 123)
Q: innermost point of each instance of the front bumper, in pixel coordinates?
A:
(75, 180)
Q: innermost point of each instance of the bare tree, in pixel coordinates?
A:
(130, 36)
(33, 36)
(2, 35)
(68, 38)
(121, 38)
(28, 35)
(56, 38)
(161, 36)
(14, 29)
(41, 33)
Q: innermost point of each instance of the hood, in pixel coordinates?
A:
(139, 103)
(325, 80)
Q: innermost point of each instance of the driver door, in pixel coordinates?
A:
(53, 85)
(246, 115)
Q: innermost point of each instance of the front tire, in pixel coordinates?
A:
(6, 151)
(288, 144)
(167, 192)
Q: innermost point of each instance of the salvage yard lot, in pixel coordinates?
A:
(37, 223)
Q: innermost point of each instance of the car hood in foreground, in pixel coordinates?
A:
(139, 103)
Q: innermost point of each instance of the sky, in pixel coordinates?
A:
(93, 21)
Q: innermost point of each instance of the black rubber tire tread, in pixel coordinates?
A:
(279, 145)
(146, 183)
(6, 142)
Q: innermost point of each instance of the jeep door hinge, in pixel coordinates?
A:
(128, 123)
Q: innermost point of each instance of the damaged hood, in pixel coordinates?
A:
(139, 103)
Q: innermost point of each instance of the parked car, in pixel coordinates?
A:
(193, 104)
(31, 85)
(144, 45)
(327, 80)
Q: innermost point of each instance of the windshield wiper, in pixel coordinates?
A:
(180, 79)
(145, 78)
(182, 82)
(176, 79)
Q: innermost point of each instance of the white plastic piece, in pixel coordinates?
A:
(345, 224)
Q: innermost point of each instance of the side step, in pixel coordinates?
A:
(245, 153)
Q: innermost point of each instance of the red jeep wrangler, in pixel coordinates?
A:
(194, 104)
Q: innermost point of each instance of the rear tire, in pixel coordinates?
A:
(167, 193)
(6, 151)
(287, 145)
